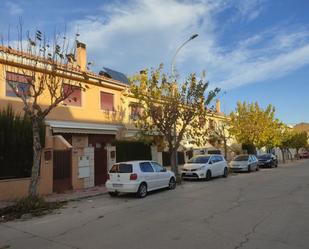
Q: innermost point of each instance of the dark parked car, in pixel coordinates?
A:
(304, 154)
(268, 160)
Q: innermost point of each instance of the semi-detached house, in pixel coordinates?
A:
(79, 132)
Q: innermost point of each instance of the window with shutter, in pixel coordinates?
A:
(20, 82)
(107, 101)
(75, 95)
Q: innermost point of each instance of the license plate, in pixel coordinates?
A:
(117, 185)
(189, 174)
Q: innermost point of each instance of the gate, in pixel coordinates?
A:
(100, 165)
(130, 150)
(62, 167)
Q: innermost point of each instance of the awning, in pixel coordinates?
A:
(82, 128)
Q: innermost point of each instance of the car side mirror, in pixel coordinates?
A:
(163, 170)
(210, 162)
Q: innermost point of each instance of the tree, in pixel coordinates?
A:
(221, 133)
(252, 125)
(166, 104)
(45, 69)
(282, 138)
(299, 140)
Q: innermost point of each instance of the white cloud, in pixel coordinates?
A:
(13, 8)
(144, 33)
(250, 9)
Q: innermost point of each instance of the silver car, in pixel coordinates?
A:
(244, 163)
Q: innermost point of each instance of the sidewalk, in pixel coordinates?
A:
(70, 195)
(288, 162)
(76, 194)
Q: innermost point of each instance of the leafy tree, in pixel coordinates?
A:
(282, 138)
(299, 140)
(166, 104)
(46, 67)
(220, 133)
(252, 125)
(285, 138)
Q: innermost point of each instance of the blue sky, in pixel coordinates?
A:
(254, 50)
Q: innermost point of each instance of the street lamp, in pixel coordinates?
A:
(173, 79)
(177, 51)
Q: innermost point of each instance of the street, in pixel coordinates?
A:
(265, 209)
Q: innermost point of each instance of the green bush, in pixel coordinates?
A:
(28, 204)
(16, 144)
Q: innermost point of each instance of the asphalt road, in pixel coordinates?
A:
(266, 209)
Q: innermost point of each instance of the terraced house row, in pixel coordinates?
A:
(84, 134)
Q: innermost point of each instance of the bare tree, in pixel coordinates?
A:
(46, 70)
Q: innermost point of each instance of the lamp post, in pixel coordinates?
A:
(173, 80)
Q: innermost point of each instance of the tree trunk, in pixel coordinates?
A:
(283, 156)
(225, 149)
(174, 166)
(37, 150)
(291, 155)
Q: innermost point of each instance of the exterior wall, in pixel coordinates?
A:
(13, 189)
(156, 155)
(82, 162)
(90, 109)
(111, 156)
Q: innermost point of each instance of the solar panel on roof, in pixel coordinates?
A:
(115, 75)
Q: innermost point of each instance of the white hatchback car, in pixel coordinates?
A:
(139, 177)
(205, 167)
(244, 163)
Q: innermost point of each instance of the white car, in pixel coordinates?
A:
(139, 177)
(205, 167)
(244, 163)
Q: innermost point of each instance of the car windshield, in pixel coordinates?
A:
(265, 156)
(241, 158)
(199, 159)
(121, 168)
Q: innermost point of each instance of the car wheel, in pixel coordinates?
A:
(172, 183)
(249, 168)
(142, 190)
(225, 172)
(113, 194)
(208, 175)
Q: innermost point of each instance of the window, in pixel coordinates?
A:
(146, 167)
(121, 168)
(135, 111)
(75, 95)
(157, 167)
(199, 159)
(241, 158)
(218, 158)
(107, 101)
(20, 81)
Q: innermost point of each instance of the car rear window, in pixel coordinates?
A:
(199, 159)
(241, 158)
(214, 152)
(265, 156)
(122, 168)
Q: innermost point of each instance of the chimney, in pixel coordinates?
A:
(218, 106)
(81, 56)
